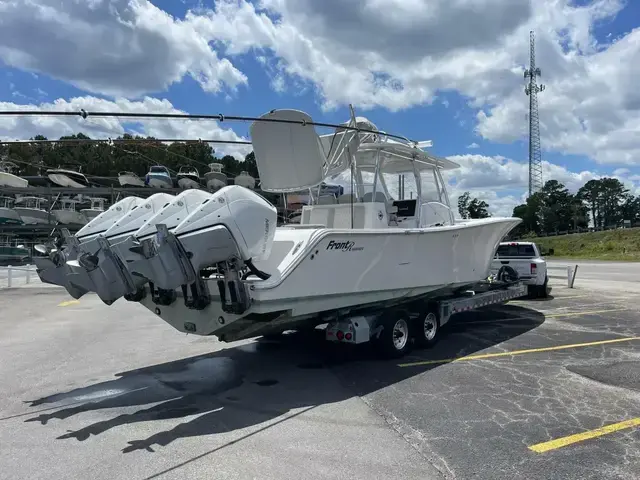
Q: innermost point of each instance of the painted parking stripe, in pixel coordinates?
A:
(69, 302)
(517, 352)
(580, 437)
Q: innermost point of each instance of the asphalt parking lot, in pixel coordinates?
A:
(545, 389)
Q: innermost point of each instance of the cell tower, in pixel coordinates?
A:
(532, 89)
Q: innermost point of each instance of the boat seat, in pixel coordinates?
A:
(363, 215)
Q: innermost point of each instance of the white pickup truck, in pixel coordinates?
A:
(524, 258)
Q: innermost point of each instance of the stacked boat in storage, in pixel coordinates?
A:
(216, 264)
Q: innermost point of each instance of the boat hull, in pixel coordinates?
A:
(11, 180)
(130, 181)
(188, 182)
(9, 216)
(215, 180)
(317, 271)
(32, 216)
(65, 180)
(159, 181)
(69, 217)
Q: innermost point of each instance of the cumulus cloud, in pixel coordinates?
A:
(24, 127)
(113, 47)
(478, 48)
(502, 182)
(343, 51)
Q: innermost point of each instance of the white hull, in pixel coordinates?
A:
(64, 181)
(69, 217)
(215, 180)
(130, 180)
(160, 182)
(186, 182)
(246, 182)
(11, 180)
(9, 216)
(32, 216)
(351, 269)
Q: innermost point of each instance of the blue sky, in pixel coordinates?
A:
(304, 55)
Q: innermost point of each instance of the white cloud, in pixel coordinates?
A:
(113, 47)
(496, 179)
(53, 127)
(473, 145)
(340, 50)
(478, 48)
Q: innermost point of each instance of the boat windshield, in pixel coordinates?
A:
(158, 169)
(6, 202)
(402, 186)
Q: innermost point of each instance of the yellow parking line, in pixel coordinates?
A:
(69, 302)
(517, 352)
(579, 437)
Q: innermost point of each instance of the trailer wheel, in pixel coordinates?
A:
(395, 339)
(427, 329)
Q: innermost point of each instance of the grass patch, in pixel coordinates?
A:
(608, 245)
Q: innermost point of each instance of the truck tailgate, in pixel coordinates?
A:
(520, 265)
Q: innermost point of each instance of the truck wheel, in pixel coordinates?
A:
(427, 329)
(542, 289)
(395, 339)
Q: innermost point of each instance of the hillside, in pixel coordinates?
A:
(607, 245)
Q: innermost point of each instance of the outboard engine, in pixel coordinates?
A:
(54, 268)
(102, 267)
(110, 279)
(230, 230)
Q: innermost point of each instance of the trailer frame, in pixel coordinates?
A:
(419, 321)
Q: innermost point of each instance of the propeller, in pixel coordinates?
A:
(42, 249)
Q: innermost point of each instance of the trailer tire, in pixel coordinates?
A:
(395, 339)
(427, 329)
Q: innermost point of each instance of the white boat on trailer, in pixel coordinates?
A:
(226, 270)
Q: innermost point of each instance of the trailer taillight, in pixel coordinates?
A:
(340, 335)
(348, 336)
(534, 268)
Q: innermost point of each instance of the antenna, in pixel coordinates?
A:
(532, 89)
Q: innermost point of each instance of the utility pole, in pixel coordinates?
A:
(532, 89)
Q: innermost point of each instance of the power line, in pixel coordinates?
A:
(186, 116)
(532, 89)
(122, 140)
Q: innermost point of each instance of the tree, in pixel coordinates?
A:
(589, 193)
(463, 205)
(558, 207)
(605, 198)
(613, 195)
(472, 207)
(108, 159)
(478, 209)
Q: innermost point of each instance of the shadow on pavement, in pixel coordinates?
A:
(255, 383)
